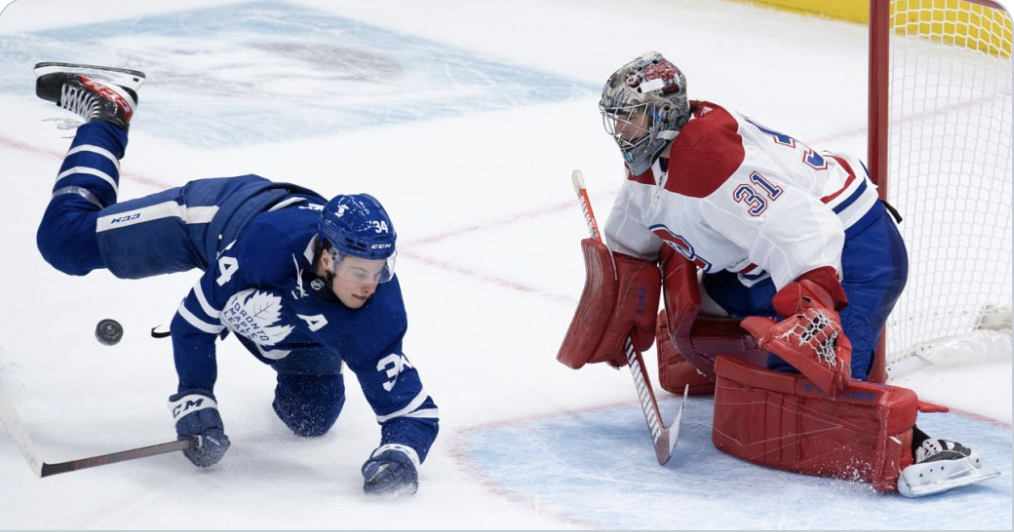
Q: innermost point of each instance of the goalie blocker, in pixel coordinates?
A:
(620, 296)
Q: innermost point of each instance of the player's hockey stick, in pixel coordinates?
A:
(10, 419)
(662, 436)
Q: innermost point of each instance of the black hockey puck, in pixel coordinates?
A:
(109, 332)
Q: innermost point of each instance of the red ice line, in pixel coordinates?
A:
(483, 276)
(486, 277)
(552, 209)
(18, 145)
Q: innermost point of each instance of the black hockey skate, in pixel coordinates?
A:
(941, 465)
(92, 92)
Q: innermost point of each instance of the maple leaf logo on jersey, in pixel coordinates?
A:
(254, 314)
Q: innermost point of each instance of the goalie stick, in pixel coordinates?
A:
(664, 438)
(10, 419)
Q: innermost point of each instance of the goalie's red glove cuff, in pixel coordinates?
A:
(815, 288)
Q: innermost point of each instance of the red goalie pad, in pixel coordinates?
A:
(674, 372)
(784, 421)
(616, 301)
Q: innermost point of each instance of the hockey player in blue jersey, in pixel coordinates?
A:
(305, 284)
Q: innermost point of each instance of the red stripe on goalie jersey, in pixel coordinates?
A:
(848, 182)
(706, 153)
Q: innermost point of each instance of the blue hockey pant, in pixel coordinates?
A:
(84, 228)
(88, 182)
(874, 270)
(309, 404)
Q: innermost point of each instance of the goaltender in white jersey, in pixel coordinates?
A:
(794, 241)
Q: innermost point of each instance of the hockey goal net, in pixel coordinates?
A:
(940, 149)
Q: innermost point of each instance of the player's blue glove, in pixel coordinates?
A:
(196, 414)
(391, 470)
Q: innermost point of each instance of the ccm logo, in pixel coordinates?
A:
(126, 218)
(187, 405)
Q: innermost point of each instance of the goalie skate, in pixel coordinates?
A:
(943, 465)
(92, 92)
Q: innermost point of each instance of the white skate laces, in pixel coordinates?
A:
(79, 101)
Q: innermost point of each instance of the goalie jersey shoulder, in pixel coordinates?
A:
(706, 153)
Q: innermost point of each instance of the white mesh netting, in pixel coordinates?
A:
(950, 167)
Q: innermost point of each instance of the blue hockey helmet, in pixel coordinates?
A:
(357, 225)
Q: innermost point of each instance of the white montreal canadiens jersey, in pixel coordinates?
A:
(735, 195)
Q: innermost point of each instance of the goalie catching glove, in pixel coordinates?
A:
(620, 298)
(810, 338)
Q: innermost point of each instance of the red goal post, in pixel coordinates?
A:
(940, 151)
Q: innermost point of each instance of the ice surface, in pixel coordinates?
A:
(466, 121)
(607, 451)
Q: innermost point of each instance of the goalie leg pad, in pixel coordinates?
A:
(687, 341)
(620, 297)
(784, 421)
(674, 372)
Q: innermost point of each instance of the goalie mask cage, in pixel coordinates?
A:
(940, 151)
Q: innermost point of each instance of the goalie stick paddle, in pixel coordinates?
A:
(664, 438)
(10, 419)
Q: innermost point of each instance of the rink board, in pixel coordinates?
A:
(598, 468)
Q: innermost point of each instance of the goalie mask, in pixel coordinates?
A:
(358, 226)
(644, 104)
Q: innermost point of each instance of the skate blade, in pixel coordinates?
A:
(933, 479)
(131, 79)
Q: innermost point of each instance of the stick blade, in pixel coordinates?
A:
(666, 443)
(674, 429)
(10, 419)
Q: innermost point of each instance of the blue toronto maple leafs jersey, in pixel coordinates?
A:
(262, 287)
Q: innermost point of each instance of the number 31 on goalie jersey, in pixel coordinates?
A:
(756, 194)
